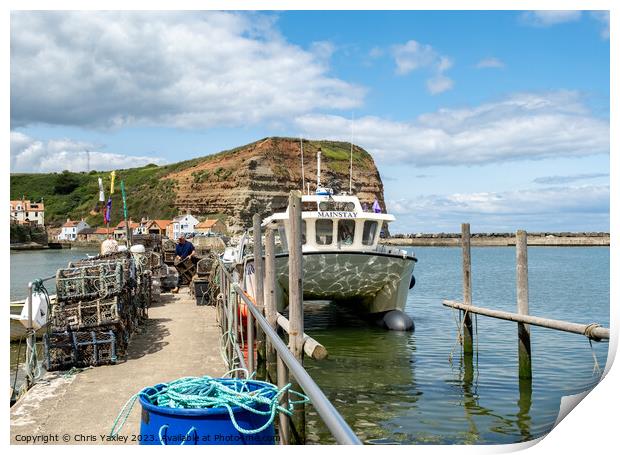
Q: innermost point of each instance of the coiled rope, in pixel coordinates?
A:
(207, 392)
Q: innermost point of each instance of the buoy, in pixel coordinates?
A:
(397, 320)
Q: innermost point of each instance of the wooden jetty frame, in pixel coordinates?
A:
(593, 331)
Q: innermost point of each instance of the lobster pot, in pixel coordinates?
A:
(208, 426)
(170, 279)
(202, 291)
(169, 257)
(90, 282)
(205, 266)
(168, 245)
(155, 290)
(110, 257)
(155, 261)
(79, 349)
(84, 314)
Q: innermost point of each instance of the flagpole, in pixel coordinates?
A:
(125, 214)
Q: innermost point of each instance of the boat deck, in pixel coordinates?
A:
(179, 339)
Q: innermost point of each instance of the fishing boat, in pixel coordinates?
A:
(342, 259)
(18, 328)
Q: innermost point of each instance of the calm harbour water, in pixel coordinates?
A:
(29, 265)
(402, 387)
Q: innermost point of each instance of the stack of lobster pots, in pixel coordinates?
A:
(100, 303)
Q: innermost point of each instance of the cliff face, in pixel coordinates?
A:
(258, 177)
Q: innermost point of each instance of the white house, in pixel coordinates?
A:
(183, 224)
(26, 212)
(70, 229)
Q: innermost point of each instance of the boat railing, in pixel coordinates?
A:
(31, 353)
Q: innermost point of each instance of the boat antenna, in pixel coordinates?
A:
(303, 180)
(308, 188)
(351, 159)
(318, 169)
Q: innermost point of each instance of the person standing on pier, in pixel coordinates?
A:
(184, 249)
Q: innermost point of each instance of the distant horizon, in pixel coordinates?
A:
(499, 118)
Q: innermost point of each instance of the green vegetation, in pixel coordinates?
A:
(75, 195)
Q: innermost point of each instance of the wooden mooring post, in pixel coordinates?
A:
(525, 349)
(468, 343)
(271, 310)
(260, 296)
(593, 331)
(295, 304)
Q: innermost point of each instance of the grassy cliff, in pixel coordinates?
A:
(205, 185)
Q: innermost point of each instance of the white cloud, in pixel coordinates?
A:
(522, 126)
(563, 179)
(547, 209)
(31, 155)
(413, 56)
(177, 69)
(549, 18)
(490, 62)
(603, 18)
(439, 84)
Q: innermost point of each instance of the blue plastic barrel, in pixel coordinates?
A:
(173, 426)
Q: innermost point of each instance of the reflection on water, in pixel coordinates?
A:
(405, 388)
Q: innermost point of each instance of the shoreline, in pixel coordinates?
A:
(481, 240)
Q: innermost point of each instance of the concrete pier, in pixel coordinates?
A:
(179, 339)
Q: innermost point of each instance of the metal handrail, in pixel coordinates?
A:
(331, 417)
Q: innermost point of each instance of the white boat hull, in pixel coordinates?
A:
(376, 282)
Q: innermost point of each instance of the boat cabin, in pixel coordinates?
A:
(333, 223)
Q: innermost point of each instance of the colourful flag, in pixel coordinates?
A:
(112, 177)
(107, 211)
(376, 207)
(101, 195)
(124, 199)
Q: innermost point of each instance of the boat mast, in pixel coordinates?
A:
(351, 160)
(303, 180)
(318, 170)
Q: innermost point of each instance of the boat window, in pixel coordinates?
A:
(282, 236)
(325, 206)
(346, 231)
(303, 232)
(370, 230)
(308, 206)
(324, 232)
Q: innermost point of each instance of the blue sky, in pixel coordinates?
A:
(500, 119)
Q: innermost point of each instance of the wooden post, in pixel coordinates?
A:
(525, 351)
(468, 345)
(295, 303)
(271, 310)
(283, 427)
(250, 345)
(260, 296)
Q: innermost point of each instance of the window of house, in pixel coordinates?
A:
(370, 231)
(303, 232)
(324, 232)
(346, 231)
